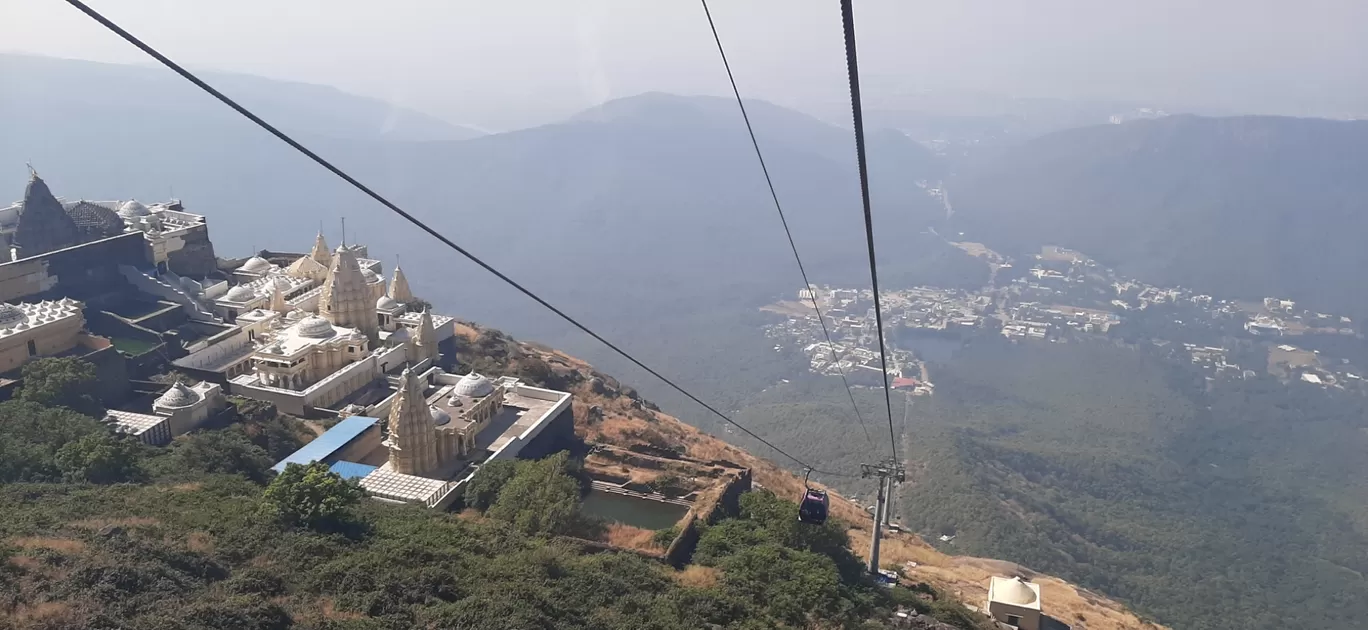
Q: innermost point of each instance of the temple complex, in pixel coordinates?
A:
(321, 335)
(177, 241)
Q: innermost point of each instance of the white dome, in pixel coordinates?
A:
(371, 277)
(474, 385)
(280, 282)
(256, 264)
(132, 209)
(240, 293)
(1014, 592)
(11, 315)
(178, 396)
(295, 315)
(439, 417)
(386, 303)
(315, 327)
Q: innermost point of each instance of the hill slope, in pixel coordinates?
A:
(629, 420)
(1245, 206)
(1121, 470)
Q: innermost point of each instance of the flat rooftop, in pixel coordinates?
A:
(330, 442)
(131, 422)
(518, 414)
(384, 483)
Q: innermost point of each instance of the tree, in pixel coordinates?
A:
(535, 372)
(542, 497)
(417, 305)
(311, 496)
(31, 434)
(481, 492)
(62, 382)
(226, 451)
(100, 458)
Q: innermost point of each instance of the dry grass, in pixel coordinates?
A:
(629, 537)
(48, 614)
(698, 576)
(200, 542)
(469, 514)
(64, 545)
(28, 563)
(967, 578)
(96, 524)
(330, 611)
(466, 332)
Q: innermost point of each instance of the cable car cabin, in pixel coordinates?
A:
(813, 509)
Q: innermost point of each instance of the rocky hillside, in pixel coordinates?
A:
(607, 411)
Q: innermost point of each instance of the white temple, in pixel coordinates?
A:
(315, 332)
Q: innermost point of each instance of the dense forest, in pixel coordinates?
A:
(1234, 506)
(103, 532)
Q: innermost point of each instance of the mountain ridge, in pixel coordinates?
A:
(291, 105)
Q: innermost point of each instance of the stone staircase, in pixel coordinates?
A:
(169, 288)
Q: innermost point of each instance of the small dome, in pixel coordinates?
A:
(256, 264)
(315, 327)
(94, 221)
(295, 315)
(474, 385)
(1014, 592)
(11, 315)
(132, 209)
(439, 417)
(386, 303)
(371, 277)
(281, 282)
(240, 293)
(178, 396)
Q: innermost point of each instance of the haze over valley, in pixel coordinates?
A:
(1124, 325)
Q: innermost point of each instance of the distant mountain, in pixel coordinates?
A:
(1239, 207)
(110, 91)
(647, 216)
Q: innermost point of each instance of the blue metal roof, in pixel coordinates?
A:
(352, 470)
(330, 442)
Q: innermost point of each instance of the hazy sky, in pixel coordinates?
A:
(516, 62)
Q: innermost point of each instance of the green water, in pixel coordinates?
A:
(634, 511)
(132, 346)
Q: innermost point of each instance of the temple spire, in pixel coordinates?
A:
(346, 300)
(426, 338)
(43, 224)
(399, 287)
(320, 251)
(412, 440)
(278, 303)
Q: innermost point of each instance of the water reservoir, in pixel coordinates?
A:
(631, 510)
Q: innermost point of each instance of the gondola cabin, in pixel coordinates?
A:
(813, 509)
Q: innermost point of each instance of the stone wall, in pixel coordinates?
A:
(728, 504)
(557, 435)
(111, 368)
(84, 272)
(195, 254)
